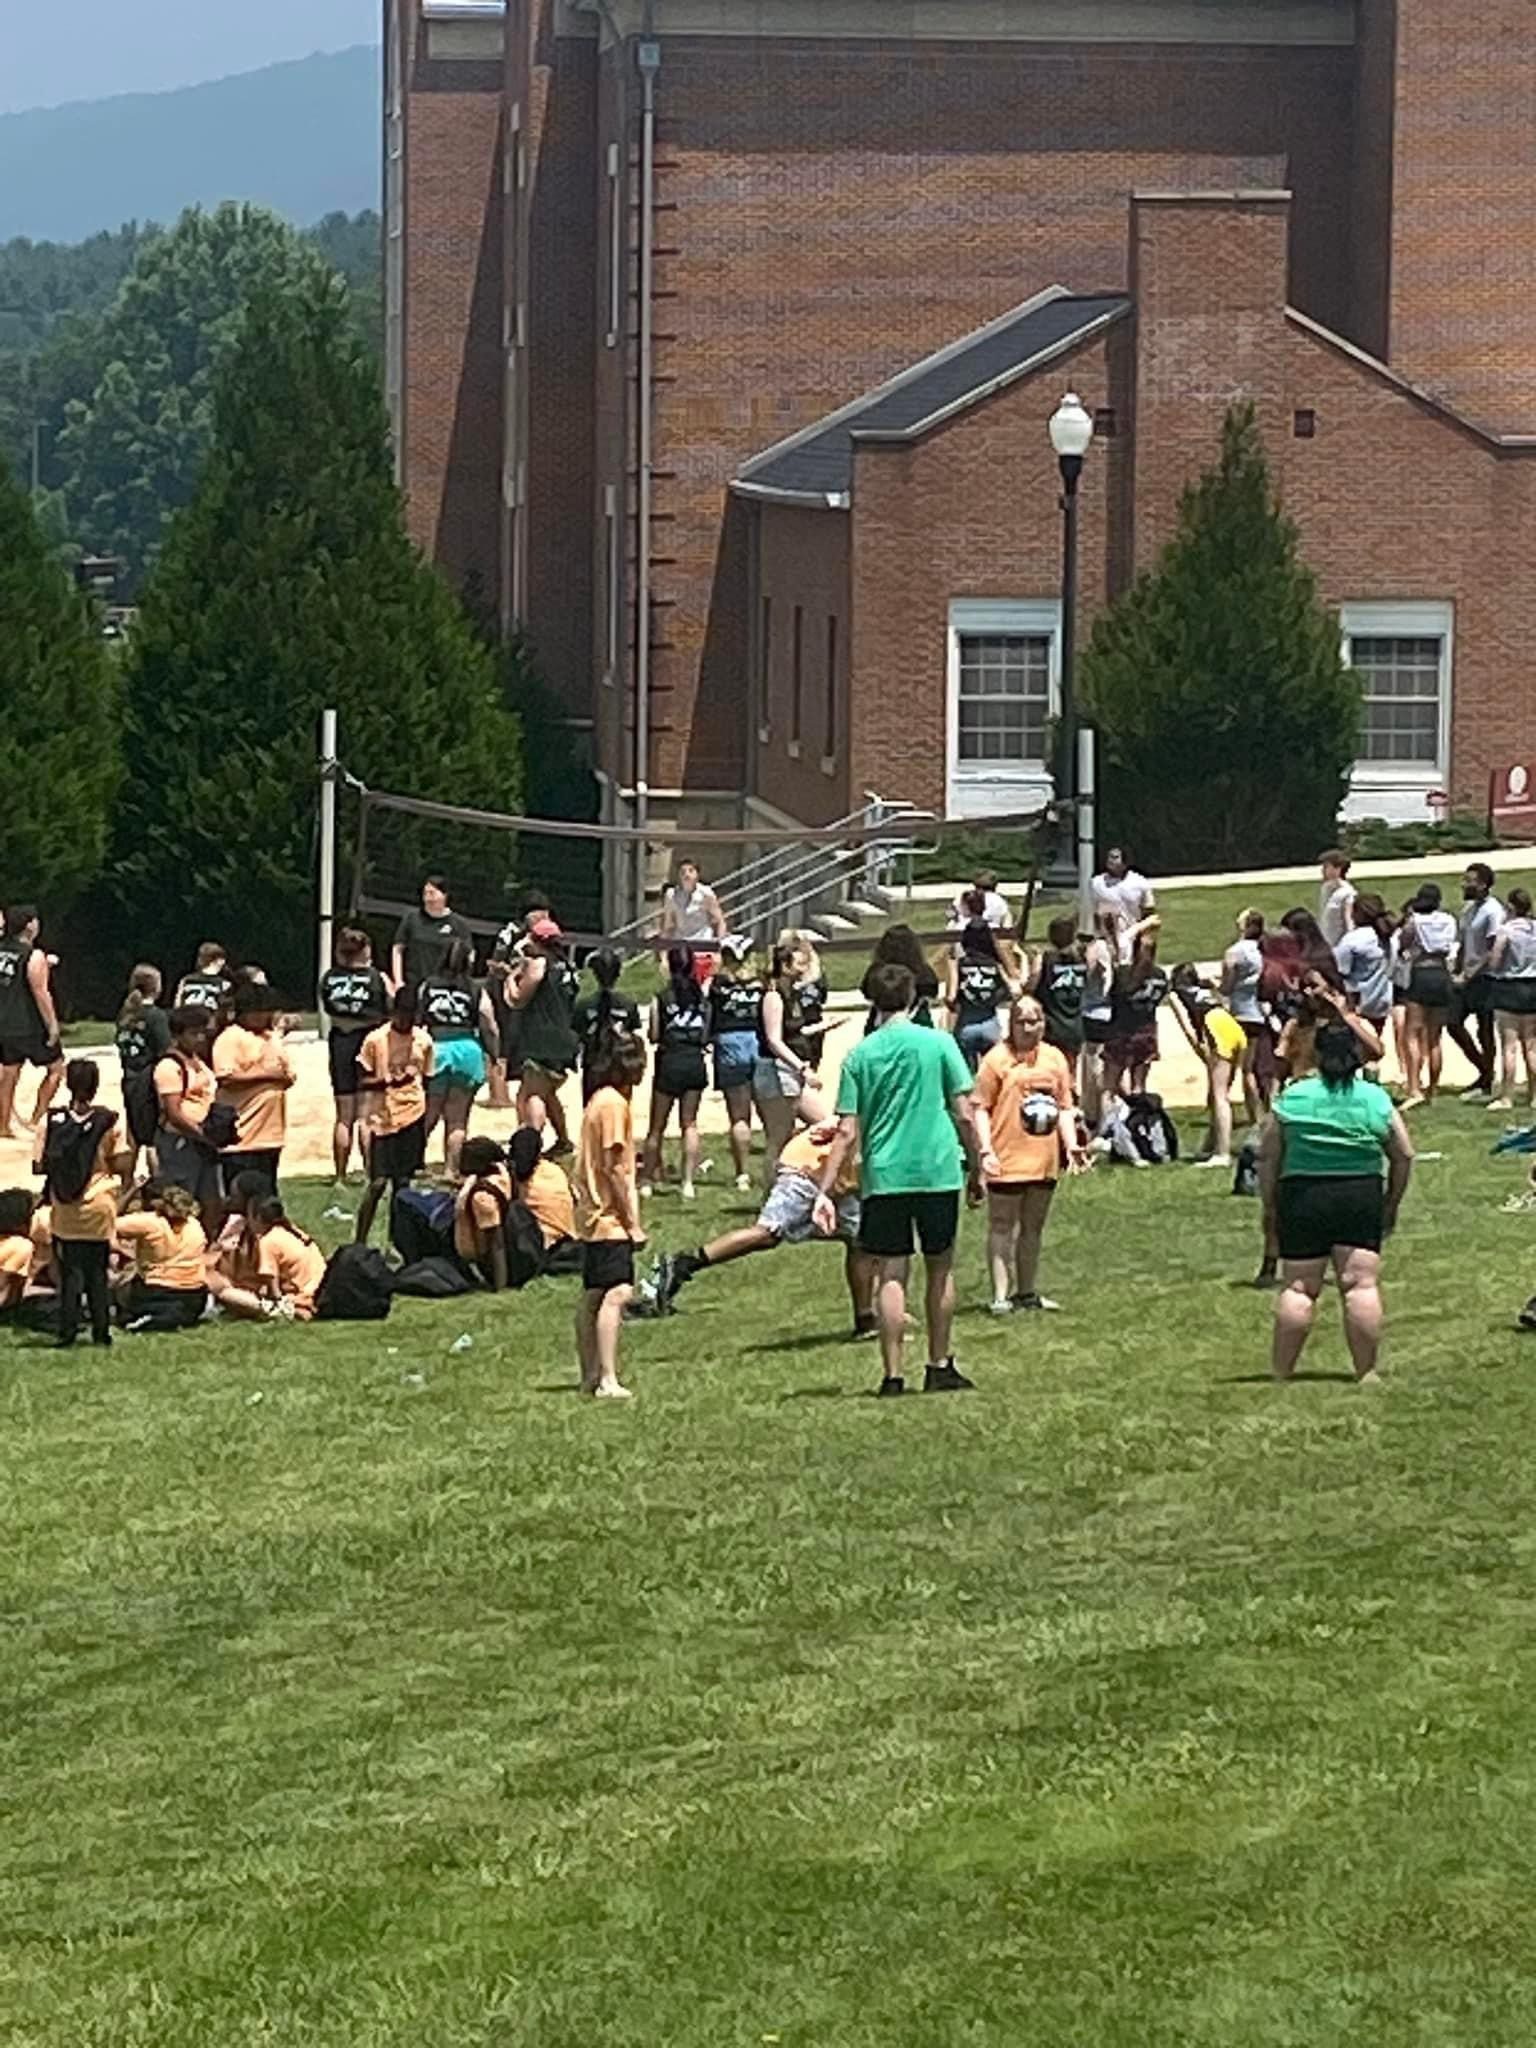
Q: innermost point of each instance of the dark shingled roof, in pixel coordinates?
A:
(817, 463)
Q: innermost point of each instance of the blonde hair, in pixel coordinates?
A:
(176, 1204)
(800, 947)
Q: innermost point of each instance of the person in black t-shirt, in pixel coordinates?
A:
(29, 1023)
(601, 1017)
(735, 1026)
(544, 996)
(1061, 975)
(680, 1032)
(207, 986)
(143, 1036)
(355, 997)
(899, 946)
(422, 937)
(1139, 989)
(978, 988)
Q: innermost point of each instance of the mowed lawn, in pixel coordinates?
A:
(363, 1695)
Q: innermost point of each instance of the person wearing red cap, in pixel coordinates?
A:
(544, 997)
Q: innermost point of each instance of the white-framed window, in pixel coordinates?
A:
(1402, 654)
(1004, 688)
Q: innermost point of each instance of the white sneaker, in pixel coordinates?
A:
(1215, 1159)
(1001, 1307)
(613, 1393)
(646, 1191)
(743, 1183)
(689, 1193)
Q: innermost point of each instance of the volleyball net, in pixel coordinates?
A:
(606, 883)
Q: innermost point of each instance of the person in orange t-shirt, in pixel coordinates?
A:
(254, 1073)
(292, 1264)
(1026, 1126)
(15, 1246)
(608, 1217)
(169, 1288)
(394, 1065)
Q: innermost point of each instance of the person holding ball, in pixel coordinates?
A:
(1026, 1126)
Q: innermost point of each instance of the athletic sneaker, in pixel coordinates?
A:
(865, 1327)
(613, 1393)
(1215, 1159)
(1035, 1301)
(672, 1271)
(743, 1183)
(1001, 1307)
(889, 1388)
(1476, 1093)
(138, 1323)
(281, 1310)
(945, 1379)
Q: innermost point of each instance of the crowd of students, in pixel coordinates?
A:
(998, 1073)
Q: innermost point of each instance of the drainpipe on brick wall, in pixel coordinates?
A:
(648, 60)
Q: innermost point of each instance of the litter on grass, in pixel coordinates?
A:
(464, 1343)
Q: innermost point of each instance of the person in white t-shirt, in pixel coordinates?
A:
(1336, 897)
(993, 912)
(1427, 940)
(1512, 968)
(1481, 916)
(1125, 895)
(691, 912)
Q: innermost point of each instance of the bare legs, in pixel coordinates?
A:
(599, 1318)
(450, 1108)
(1359, 1277)
(543, 1088)
(738, 1105)
(1517, 1049)
(1221, 1111)
(778, 1113)
(1015, 1227)
(688, 1121)
(341, 1137)
(47, 1088)
(1422, 1057)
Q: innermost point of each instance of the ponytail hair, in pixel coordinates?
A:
(684, 981)
(144, 987)
(1369, 910)
(266, 1214)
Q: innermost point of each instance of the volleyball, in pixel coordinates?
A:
(1040, 1115)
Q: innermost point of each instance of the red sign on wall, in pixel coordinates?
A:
(1512, 797)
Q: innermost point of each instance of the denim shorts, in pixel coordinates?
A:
(735, 1058)
(789, 1211)
(772, 1077)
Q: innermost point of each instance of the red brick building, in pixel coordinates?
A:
(637, 246)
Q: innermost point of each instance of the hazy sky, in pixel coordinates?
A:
(87, 49)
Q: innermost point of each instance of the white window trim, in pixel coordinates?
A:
(997, 615)
(1407, 619)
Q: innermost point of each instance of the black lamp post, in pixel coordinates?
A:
(1071, 432)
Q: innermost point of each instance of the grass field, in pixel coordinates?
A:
(362, 1695)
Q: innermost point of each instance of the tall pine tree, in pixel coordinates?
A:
(287, 585)
(1227, 719)
(59, 735)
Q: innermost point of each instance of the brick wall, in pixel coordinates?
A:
(1370, 237)
(452, 381)
(832, 211)
(1464, 205)
(552, 256)
(802, 567)
(972, 511)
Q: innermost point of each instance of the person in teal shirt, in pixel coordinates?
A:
(1320, 1175)
(904, 1099)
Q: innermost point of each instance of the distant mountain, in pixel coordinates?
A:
(303, 138)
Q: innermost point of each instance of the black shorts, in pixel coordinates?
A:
(1097, 1030)
(342, 1049)
(607, 1262)
(887, 1224)
(1430, 985)
(1314, 1213)
(1516, 996)
(186, 1164)
(680, 1071)
(30, 1052)
(398, 1156)
(232, 1164)
(141, 1105)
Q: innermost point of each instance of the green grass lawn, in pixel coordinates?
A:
(366, 1696)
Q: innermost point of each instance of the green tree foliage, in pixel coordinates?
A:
(289, 584)
(132, 450)
(59, 736)
(1228, 721)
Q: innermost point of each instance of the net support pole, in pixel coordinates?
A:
(327, 877)
(1087, 823)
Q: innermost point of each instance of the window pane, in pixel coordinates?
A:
(1004, 696)
(1401, 678)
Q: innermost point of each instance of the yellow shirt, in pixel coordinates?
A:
(41, 1274)
(1004, 1081)
(236, 1254)
(805, 1153)
(296, 1263)
(607, 1126)
(165, 1254)
(402, 1062)
(93, 1217)
(546, 1194)
(191, 1078)
(254, 1074)
(476, 1211)
(15, 1257)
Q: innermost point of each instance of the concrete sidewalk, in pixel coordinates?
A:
(1360, 870)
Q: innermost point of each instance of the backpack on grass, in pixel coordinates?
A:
(1142, 1133)
(1245, 1170)
(356, 1287)
(70, 1145)
(434, 1278)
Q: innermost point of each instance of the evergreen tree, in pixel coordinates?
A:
(131, 451)
(59, 736)
(1227, 719)
(287, 585)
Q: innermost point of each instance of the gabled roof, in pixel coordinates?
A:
(815, 466)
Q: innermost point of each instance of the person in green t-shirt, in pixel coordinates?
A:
(1320, 1164)
(904, 1098)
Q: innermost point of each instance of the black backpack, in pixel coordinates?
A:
(69, 1151)
(1245, 1172)
(1150, 1129)
(434, 1278)
(356, 1287)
